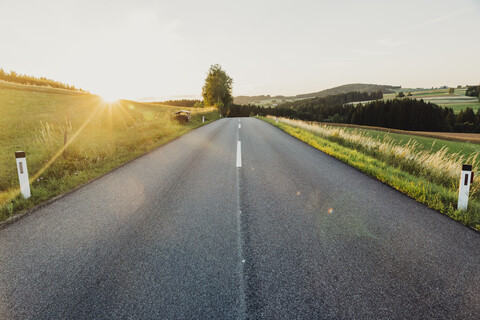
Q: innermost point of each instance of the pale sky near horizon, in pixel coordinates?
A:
(163, 49)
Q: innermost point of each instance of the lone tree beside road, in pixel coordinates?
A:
(217, 91)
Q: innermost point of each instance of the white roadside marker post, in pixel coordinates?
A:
(465, 180)
(23, 174)
(276, 120)
(203, 119)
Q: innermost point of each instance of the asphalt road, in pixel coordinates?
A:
(190, 232)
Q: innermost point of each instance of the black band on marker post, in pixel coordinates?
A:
(467, 167)
(20, 154)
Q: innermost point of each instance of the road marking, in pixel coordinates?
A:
(239, 154)
(242, 310)
(239, 126)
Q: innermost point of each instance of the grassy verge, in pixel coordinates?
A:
(465, 144)
(469, 138)
(429, 177)
(432, 143)
(100, 136)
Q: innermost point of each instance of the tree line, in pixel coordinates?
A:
(339, 98)
(473, 91)
(15, 77)
(404, 114)
(182, 103)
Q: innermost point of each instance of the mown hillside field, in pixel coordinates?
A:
(457, 101)
(99, 136)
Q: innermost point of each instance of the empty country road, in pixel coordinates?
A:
(238, 220)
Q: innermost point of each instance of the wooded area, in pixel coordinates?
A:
(35, 81)
(405, 113)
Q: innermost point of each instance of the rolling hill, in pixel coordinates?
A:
(363, 87)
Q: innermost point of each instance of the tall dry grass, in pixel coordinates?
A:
(50, 134)
(440, 167)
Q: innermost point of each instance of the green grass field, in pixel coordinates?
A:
(428, 174)
(457, 101)
(433, 144)
(462, 106)
(100, 137)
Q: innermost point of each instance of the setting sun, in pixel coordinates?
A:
(109, 98)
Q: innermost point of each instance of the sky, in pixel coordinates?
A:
(158, 50)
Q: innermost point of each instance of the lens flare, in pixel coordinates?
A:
(109, 98)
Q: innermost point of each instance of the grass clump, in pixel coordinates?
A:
(430, 177)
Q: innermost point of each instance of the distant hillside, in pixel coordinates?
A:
(360, 87)
(253, 99)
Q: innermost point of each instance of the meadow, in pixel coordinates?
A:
(71, 137)
(457, 101)
(428, 174)
(465, 144)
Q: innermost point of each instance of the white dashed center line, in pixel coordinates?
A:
(239, 154)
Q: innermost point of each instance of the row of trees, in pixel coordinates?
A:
(183, 103)
(335, 99)
(15, 77)
(405, 114)
(473, 91)
(466, 121)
